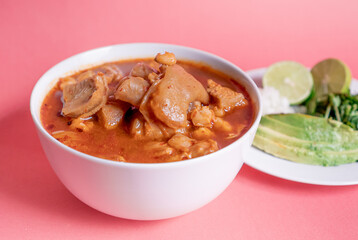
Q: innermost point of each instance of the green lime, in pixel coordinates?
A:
(293, 80)
(331, 76)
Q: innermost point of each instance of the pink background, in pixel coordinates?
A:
(35, 35)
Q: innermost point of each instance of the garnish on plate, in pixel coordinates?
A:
(307, 139)
(327, 133)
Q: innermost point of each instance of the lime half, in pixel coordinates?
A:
(293, 80)
(331, 76)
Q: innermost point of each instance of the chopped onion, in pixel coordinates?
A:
(273, 102)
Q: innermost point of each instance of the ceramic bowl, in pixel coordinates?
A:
(137, 190)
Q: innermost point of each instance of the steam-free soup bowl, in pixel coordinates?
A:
(137, 190)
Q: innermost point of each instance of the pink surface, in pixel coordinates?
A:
(35, 35)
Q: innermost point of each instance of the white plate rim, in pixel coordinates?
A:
(331, 176)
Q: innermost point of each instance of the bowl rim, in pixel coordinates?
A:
(41, 129)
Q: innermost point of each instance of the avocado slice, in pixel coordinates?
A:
(307, 139)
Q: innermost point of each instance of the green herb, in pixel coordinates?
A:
(341, 107)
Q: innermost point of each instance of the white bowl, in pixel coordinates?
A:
(137, 190)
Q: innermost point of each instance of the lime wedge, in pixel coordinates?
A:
(293, 80)
(331, 76)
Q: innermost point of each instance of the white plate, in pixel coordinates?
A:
(346, 174)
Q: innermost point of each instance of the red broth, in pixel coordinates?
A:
(117, 144)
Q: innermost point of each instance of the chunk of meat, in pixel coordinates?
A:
(202, 116)
(152, 131)
(136, 126)
(142, 70)
(169, 98)
(111, 115)
(65, 81)
(202, 133)
(85, 75)
(155, 66)
(152, 77)
(225, 99)
(159, 149)
(132, 90)
(159, 131)
(202, 148)
(166, 58)
(84, 98)
(111, 72)
(141, 129)
(145, 108)
(222, 125)
(194, 105)
(180, 147)
(219, 112)
(181, 142)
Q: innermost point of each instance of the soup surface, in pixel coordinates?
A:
(147, 111)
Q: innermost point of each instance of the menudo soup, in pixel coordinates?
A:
(147, 111)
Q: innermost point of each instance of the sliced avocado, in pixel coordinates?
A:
(307, 139)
